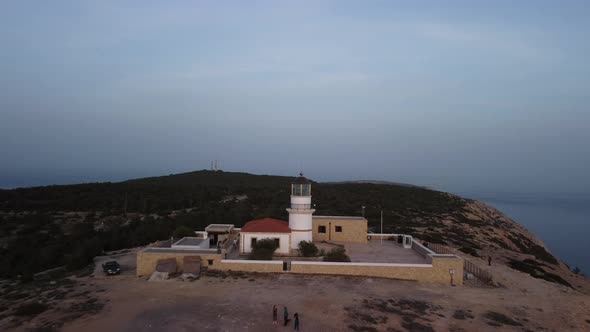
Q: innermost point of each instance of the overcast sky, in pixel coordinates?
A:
(455, 95)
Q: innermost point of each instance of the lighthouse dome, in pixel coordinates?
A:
(301, 186)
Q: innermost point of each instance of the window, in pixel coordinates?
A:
(210, 261)
(277, 242)
(296, 190)
(321, 229)
(305, 190)
(253, 242)
(338, 229)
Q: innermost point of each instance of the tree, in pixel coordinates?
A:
(337, 254)
(183, 231)
(263, 249)
(308, 249)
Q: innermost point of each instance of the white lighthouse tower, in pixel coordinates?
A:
(300, 211)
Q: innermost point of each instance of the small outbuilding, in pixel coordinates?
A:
(218, 232)
(266, 228)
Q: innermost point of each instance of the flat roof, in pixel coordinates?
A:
(190, 241)
(339, 217)
(219, 228)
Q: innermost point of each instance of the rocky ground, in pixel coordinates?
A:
(238, 301)
(480, 231)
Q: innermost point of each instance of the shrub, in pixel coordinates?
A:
(30, 309)
(183, 231)
(535, 270)
(470, 251)
(263, 249)
(337, 254)
(308, 249)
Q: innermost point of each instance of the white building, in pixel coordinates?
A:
(266, 228)
(302, 225)
(300, 212)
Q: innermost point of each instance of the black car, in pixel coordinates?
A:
(111, 268)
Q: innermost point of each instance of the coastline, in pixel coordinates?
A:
(562, 225)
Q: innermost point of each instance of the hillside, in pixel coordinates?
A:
(73, 223)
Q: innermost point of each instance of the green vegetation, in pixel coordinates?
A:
(263, 249)
(38, 242)
(30, 309)
(528, 247)
(183, 231)
(337, 254)
(462, 314)
(535, 270)
(470, 251)
(47, 227)
(308, 249)
(499, 319)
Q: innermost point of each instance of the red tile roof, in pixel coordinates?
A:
(266, 225)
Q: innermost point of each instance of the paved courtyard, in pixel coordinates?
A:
(387, 252)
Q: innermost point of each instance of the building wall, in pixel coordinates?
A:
(437, 272)
(146, 261)
(352, 230)
(246, 241)
(298, 236)
(250, 266)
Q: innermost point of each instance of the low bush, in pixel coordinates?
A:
(470, 251)
(337, 254)
(263, 249)
(30, 309)
(183, 231)
(308, 249)
(535, 270)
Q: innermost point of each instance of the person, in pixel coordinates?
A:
(296, 322)
(489, 260)
(286, 316)
(274, 315)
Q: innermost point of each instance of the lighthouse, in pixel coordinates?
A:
(300, 212)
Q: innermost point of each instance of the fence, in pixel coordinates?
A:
(439, 249)
(478, 272)
(469, 267)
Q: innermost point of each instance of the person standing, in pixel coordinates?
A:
(274, 314)
(296, 322)
(286, 316)
(489, 260)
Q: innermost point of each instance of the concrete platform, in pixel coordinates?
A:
(387, 252)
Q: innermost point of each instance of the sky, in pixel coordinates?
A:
(455, 95)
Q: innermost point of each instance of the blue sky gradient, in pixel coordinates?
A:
(461, 95)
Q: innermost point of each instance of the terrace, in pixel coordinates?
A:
(375, 251)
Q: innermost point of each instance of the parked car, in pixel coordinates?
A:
(111, 268)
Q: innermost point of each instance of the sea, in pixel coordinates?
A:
(562, 222)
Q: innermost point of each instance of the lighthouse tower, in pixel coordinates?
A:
(300, 211)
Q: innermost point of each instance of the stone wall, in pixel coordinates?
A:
(437, 272)
(249, 266)
(442, 264)
(146, 261)
(352, 230)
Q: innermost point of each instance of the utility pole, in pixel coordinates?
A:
(381, 226)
